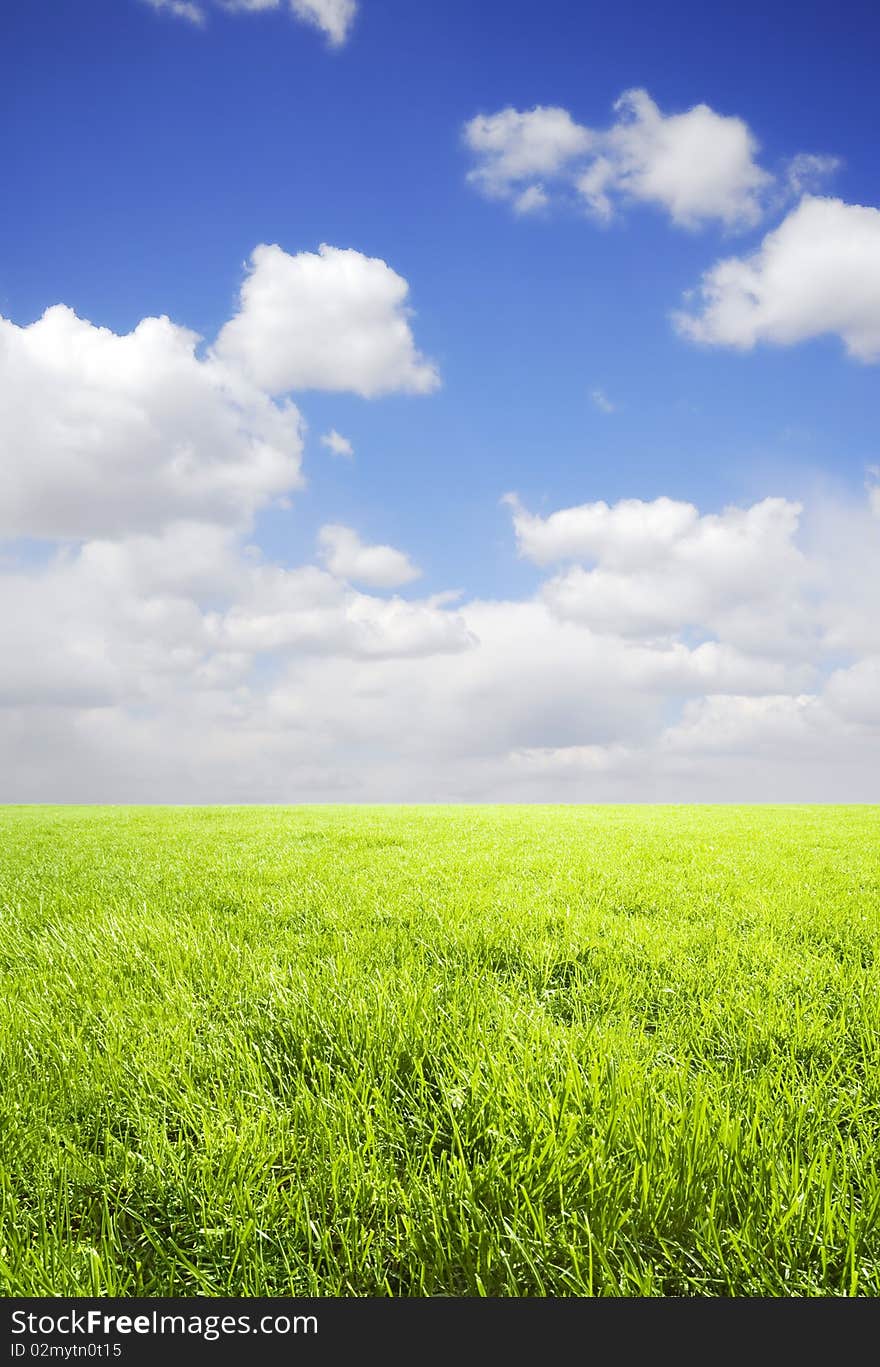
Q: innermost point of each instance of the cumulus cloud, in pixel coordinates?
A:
(853, 694)
(182, 665)
(151, 653)
(103, 433)
(138, 463)
(331, 320)
(697, 166)
(337, 444)
(818, 273)
(660, 568)
(629, 532)
(514, 147)
(378, 567)
(333, 17)
(151, 619)
(106, 433)
(113, 622)
(308, 611)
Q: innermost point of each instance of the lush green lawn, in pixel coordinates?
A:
(410, 1051)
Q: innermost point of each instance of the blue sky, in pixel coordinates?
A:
(147, 156)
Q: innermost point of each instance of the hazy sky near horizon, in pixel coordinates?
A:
(439, 401)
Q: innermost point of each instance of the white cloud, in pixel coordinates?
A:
(872, 487)
(181, 9)
(182, 666)
(660, 568)
(780, 747)
(150, 653)
(347, 557)
(339, 445)
(103, 433)
(842, 541)
(631, 532)
(159, 619)
(113, 622)
(698, 165)
(602, 402)
(806, 171)
(309, 612)
(531, 201)
(854, 693)
(792, 728)
(333, 17)
(514, 147)
(335, 320)
(818, 273)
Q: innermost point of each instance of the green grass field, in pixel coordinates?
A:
(513, 1051)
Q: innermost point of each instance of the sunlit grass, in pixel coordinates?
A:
(440, 1051)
